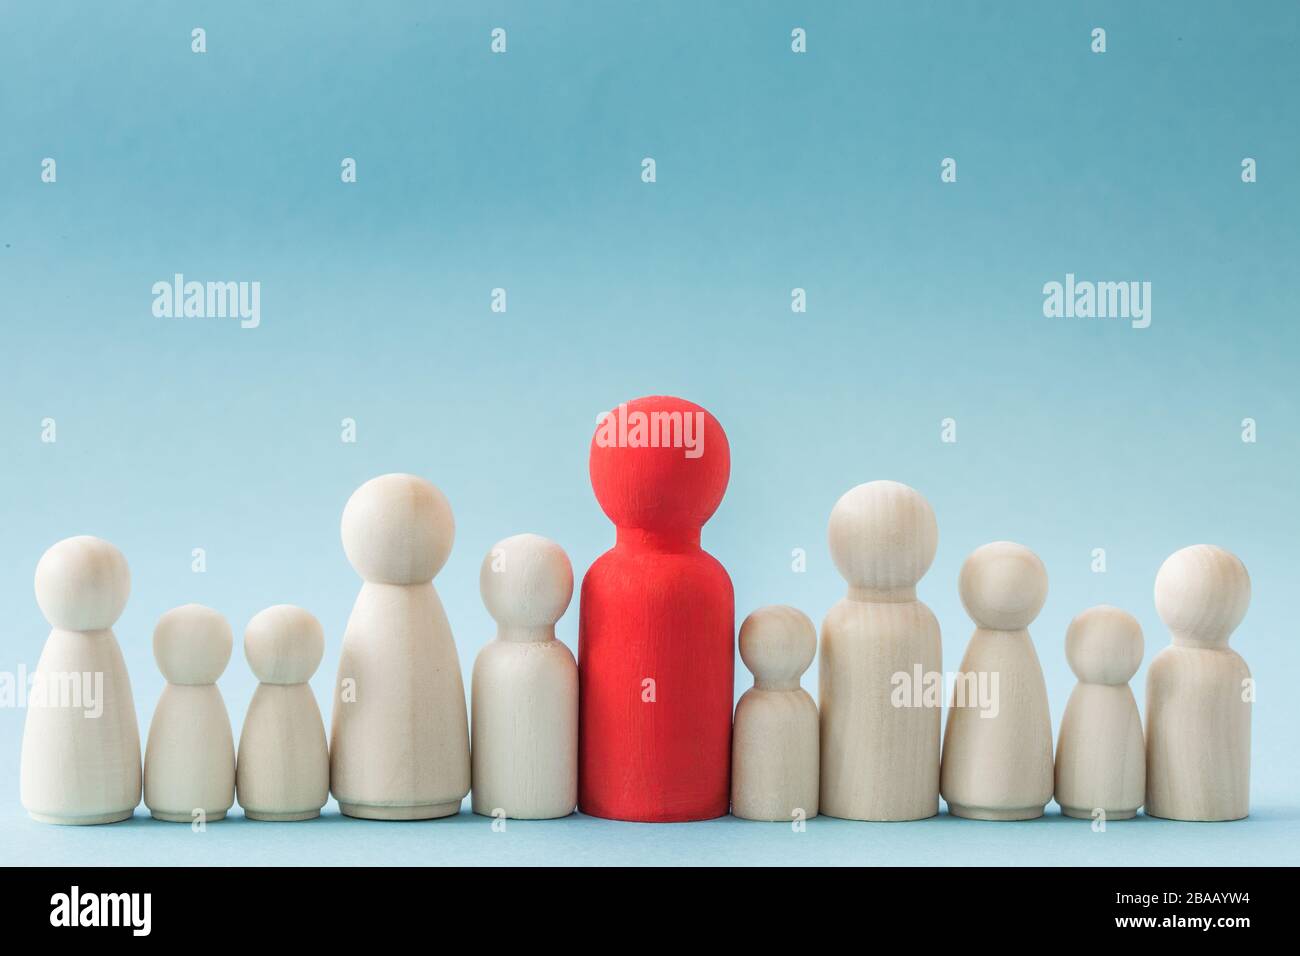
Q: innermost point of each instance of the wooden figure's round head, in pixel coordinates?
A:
(1202, 593)
(659, 464)
(526, 582)
(1003, 586)
(777, 644)
(284, 644)
(1104, 645)
(191, 644)
(882, 535)
(82, 584)
(398, 529)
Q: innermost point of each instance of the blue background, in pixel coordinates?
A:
(775, 171)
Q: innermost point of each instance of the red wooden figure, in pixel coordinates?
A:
(656, 632)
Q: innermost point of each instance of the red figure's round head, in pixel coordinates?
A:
(660, 464)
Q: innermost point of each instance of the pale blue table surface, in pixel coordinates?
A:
(1269, 836)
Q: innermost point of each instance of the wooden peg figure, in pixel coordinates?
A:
(997, 752)
(656, 632)
(399, 748)
(189, 760)
(1199, 692)
(1100, 755)
(880, 752)
(524, 693)
(284, 769)
(774, 750)
(81, 755)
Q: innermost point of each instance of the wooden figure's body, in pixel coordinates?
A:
(880, 761)
(524, 695)
(997, 751)
(656, 646)
(774, 750)
(1199, 693)
(283, 771)
(189, 760)
(399, 747)
(81, 744)
(1100, 753)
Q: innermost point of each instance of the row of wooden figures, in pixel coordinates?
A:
(873, 751)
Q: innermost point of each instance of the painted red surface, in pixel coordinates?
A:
(656, 637)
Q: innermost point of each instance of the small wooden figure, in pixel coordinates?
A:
(189, 760)
(524, 694)
(774, 750)
(284, 769)
(1100, 754)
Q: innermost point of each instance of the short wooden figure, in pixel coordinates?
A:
(1100, 754)
(524, 694)
(189, 760)
(284, 769)
(774, 750)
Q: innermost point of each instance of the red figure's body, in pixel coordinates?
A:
(656, 633)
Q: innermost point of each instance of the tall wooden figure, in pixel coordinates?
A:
(1199, 691)
(656, 634)
(81, 743)
(400, 743)
(1100, 757)
(997, 752)
(524, 694)
(880, 746)
(189, 758)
